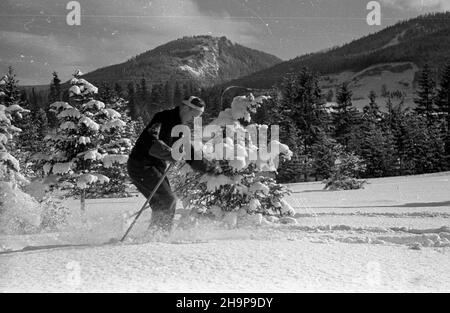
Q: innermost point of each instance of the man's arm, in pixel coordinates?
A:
(158, 149)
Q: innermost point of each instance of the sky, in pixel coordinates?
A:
(36, 39)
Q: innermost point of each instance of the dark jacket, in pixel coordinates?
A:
(153, 147)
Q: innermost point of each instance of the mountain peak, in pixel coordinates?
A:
(205, 59)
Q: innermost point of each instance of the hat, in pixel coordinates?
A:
(195, 103)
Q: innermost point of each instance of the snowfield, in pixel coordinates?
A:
(394, 235)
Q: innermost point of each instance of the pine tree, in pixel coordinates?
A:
(168, 94)
(118, 90)
(106, 93)
(12, 94)
(139, 127)
(143, 90)
(372, 111)
(384, 91)
(393, 124)
(186, 92)
(144, 108)
(271, 112)
(117, 142)
(55, 89)
(443, 104)
(376, 147)
(426, 94)
(177, 95)
(302, 98)
(131, 101)
(76, 152)
(35, 126)
(330, 95)
(345, 170)
(54, 96)
(323, 156)
(422, 146)
(345, 116)
(156, 101)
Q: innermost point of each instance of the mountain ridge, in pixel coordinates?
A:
(397, 53)
(204, 59)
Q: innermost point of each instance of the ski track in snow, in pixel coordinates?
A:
(392, 236)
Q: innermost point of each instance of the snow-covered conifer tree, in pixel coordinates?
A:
(233, 189)
(118, 141)
(9, 110)
(77, 151)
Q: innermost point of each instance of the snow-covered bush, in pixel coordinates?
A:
(19, 212)
(76, 152)
(53, 215)
(9, 110)
(347, 167)
(235, 187)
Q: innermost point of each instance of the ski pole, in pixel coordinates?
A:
(148, 201)
(175, 192)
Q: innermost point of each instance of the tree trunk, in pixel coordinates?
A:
(83, 207)
(83, 201)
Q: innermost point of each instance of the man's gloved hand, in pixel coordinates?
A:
(161, 151)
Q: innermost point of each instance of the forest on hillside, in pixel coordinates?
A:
(324, 139)
(423, 40)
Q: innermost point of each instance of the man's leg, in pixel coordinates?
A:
(163, 202)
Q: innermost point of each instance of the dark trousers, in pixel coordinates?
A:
(163, 202)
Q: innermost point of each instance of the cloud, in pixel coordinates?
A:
(111, 31)
(419, 5)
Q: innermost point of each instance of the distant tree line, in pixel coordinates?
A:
(396, 141)
(400, 141)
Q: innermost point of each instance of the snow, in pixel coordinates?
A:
(111, 159)
(94, 104)
(258, 186)
(116, 123)
(15, 109)
(3, 139)
(60, 105)
(111, 113)
(215, 182)
(394, 235)
(62, 168)
(74, 91)
(92, 155)
(9, 159)
(73, 112)
(365, 81)
(19, 213)
(88, 179)
(82, 140)
(68, 125)
(89, 123)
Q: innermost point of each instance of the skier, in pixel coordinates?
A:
(148, 159)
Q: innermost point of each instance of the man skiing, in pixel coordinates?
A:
(148, 159)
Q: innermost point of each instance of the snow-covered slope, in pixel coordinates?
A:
(392, 76)
(392, 236)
